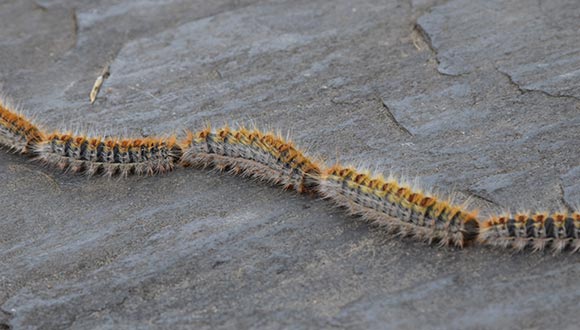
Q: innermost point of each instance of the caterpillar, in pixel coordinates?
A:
(534, 230)
(16, 131)
(265, 156)
(109, 156)
(397, 207)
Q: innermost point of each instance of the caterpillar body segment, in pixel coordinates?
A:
(108, 156)
(533, 230)
(265, 156)
(16, 131)
(398, 208)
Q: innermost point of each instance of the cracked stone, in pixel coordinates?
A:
(535, 44)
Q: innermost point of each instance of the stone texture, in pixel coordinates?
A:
(535, 45)
(479, 98)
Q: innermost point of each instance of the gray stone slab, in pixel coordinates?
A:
(475, 98)
(535, 44)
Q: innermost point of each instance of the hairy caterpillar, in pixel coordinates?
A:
(398, 208)
(16, 131)
(109, 156)
(251, 153)
(537, 230)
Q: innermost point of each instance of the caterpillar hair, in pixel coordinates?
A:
(108, 156)
(16, 131)
(265, 156)
(397, 207)
(534, 230)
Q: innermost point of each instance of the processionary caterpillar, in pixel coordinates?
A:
(397, 207)
(538, 230)
(16, 131)
(109, 156)
(267, 156)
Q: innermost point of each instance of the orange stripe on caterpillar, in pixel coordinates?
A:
(398, 208)
(16, 131)
(109, 156)
(251, 153)
(536, 230)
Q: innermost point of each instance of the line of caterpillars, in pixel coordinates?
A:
(400, 209)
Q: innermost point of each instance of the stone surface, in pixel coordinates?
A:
(476, 97)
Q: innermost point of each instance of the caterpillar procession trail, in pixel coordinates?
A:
(403, 210)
